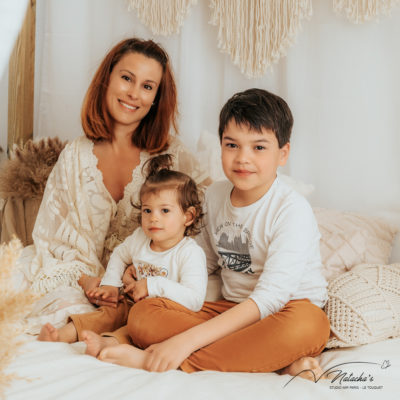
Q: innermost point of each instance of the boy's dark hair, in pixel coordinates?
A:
(159, 176)
(258, 109)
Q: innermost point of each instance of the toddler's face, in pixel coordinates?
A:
(250, 159)
(163, 220)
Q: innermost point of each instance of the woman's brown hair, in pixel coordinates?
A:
(160, 176)
(152, 134)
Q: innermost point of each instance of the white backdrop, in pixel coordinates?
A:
(341, 80)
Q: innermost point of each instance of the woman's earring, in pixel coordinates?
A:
(153, 103)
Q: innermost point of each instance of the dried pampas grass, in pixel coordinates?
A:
(13, 307)
(25, 174)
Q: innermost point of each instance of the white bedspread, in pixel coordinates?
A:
(62, 371)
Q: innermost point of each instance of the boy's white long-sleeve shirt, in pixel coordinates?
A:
(179, 274)
(267, 251)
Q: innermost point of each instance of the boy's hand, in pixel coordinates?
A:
(137, 290)
(168, 354)
(105, 295)
(129, 275)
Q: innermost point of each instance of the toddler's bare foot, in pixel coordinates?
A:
(125, 355)
(95, 343)
(305, 367)
(48, 334)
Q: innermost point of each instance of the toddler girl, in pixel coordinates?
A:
(163, 260)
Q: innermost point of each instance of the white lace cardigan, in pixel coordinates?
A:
(79, 223)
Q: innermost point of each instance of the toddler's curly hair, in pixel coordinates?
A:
(160, 176)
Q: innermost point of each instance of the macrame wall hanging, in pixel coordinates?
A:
(256, 33)
(162, 17)
(359, 11)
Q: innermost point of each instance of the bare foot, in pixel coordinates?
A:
(48, 334)
(95, 343)
(125, 355)
(305, 367)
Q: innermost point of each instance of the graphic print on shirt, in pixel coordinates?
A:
(145, 269)
(233, 244)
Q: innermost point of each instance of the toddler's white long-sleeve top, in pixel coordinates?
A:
(179, 274)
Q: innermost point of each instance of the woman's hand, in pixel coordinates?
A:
(168, 354)
(137, 290)
(88, 284)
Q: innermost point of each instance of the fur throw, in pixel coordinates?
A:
(25, 174)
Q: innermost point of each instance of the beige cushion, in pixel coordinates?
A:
(364, 305)
(349, 239)
(17, 218)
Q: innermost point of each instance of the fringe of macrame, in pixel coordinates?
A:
(257, 33)
(359, 11)
(162, 17)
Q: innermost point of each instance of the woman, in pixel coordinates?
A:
(86, 208)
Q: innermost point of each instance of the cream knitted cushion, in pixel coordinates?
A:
(364, 305)
(349, 239)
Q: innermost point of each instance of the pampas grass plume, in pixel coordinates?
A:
(14, 306)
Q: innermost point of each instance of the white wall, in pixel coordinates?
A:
(340, 79)
(3, 109)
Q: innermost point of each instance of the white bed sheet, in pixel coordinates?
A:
(62, 371)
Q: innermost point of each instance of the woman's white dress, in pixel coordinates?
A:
(77, 227)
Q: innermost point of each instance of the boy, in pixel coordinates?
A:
(265, 239)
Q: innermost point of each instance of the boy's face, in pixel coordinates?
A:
(250, 160)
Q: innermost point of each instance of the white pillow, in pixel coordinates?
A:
(348, 239)
(209, 155)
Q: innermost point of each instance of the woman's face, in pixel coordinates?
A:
(133, 86)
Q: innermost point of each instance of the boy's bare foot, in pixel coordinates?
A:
(305, 367)
(95, 343)
(48, 334)
(125, 355)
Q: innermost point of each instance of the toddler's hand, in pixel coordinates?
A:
(137, 290)
(105, 295)
(129, 275)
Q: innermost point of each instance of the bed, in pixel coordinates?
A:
(61, 371)
(363, 360)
